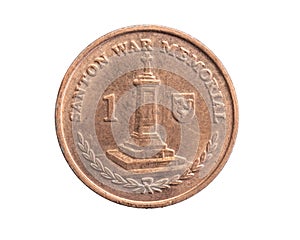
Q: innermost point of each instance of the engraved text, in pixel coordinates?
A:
(203, 72)
(80, 89)
(130, 46)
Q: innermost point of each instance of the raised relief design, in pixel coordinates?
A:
(131, 46)
(82, 85)
(110, 108)
(183, 106)
(145, 150)
(146, 184)
(204, 73)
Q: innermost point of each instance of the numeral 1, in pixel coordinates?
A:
(110, 108)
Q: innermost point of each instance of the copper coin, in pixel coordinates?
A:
(146, 116)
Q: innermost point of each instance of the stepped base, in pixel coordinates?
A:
(145, 164)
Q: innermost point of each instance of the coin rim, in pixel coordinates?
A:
(64, 145)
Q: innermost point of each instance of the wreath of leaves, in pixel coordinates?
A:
(146, 184)
(199, 162)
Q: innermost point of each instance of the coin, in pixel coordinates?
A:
(146, 116)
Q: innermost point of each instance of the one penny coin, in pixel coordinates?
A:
(146, 116)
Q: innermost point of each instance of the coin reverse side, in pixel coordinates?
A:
(146, 116)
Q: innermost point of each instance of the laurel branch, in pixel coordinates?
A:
(198, 162)
(146, 184)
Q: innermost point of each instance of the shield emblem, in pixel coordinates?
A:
(183, 106)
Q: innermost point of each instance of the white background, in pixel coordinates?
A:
(256, 196)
